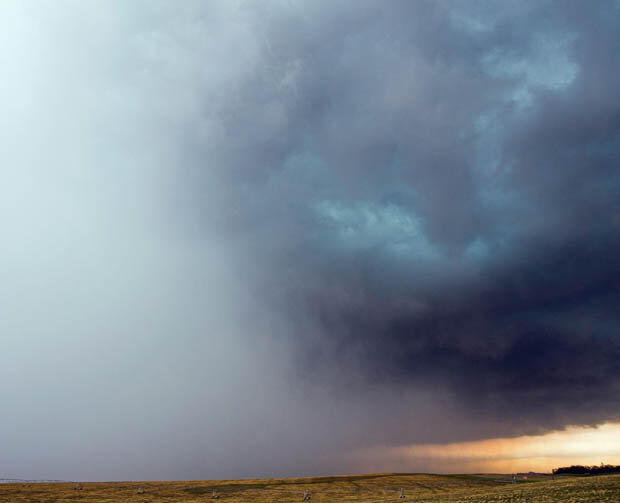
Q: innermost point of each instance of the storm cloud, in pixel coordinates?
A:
(248, 238)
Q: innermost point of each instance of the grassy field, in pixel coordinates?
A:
(359, 488)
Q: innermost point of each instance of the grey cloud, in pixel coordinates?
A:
(451, 191)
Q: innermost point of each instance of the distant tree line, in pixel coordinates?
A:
(587, 470)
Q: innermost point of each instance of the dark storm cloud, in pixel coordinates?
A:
(439, 200)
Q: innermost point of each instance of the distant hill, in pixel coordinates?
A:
(18, 481)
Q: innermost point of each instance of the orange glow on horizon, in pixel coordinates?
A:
(541, 453)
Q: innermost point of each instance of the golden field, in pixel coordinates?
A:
(358, 488)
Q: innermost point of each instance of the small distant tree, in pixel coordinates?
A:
(602, 469)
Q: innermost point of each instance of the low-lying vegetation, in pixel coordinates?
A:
(419, 488)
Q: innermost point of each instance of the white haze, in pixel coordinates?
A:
(130, 350)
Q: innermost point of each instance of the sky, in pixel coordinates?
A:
(283, 238)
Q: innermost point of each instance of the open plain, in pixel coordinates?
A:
(358, 488)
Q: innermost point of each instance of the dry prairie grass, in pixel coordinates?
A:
(377, 488)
